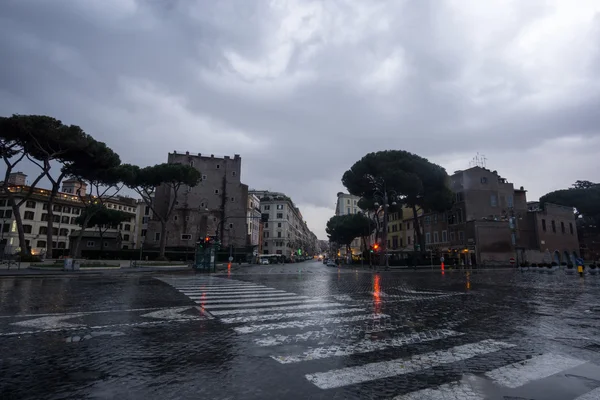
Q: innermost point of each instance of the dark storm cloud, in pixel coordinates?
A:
(302, 89)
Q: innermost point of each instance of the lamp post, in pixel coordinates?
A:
(387, 198)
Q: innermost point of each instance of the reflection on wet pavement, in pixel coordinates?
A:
(302, 331)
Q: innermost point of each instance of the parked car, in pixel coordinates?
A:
(264, 261)
(331, 263)
(325, 261)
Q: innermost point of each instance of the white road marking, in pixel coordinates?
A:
(271, 317)
(231, 291)
(175, 313)
(539, 367)
(386, 369)
(277, 340)
(51, 322)
(284, 308)
(462, 390)
(305, 323)
(593, 395)
(236, 300)
(404, 300)
(365, 346)
(243, 296)
(80, 313)
(219, 287)
(265, 304)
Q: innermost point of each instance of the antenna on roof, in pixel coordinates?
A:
(478, 161)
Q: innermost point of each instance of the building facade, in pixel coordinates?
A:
(253, 221)
(348, 204)
(216, 206)
(285, 232)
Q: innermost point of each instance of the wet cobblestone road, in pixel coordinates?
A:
(302, 331)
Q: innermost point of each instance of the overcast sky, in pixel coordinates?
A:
(302, 89)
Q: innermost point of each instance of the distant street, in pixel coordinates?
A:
(302, 331)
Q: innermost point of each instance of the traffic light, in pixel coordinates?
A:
(375, 247)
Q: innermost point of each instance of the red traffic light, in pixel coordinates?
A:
(375, 246)
(207, 239)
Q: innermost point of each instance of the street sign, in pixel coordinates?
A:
(441, 259)
(512, 261)
(230, 258)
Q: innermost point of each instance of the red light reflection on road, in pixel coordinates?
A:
(377, 294)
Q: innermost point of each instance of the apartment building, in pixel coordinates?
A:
(348, 204)
(216, 206)
(285, 231)
(253, 221)
(491, 222)
(66, 208)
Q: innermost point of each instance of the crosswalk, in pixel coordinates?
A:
(324, 329)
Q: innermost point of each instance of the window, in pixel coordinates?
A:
(45, 206)
(203, 177)
(62, 245)
(66, 209)
(73, 220)
(147, 210)
(65, 219)
(266, 208)
(56, 207)
(562, 227)
(408, 240)
(43, 230)
(427, 220)
(266, 224)
(401, 244)
(493, 200)
(510, 203)
(127, 227)
(156, 236)
(29, 215)
(435, 218)
(347, 201)
(233, 173)
(55, 232)
(280, 215)
(105, 244)
(191, 163)
(30, 204)
(230, 226)
(144, 231)
(395, 242)
(185, 236)
(408, 225)
(266, 234)
(76, 211)
(27, 228)
(444, 236)
(175, 218)
(553, 226)
(460, 196)
(56, 218)
(3, 203)
(64, 232)
(483, 180)
(571, 227)
(436, 237)
(218, 166)
(278, 234)
(280, 206)
(279, 224)
(461, 236)
(7, 213)
(544, 225)
(41, 243)
(349, 210)
(428, 238)
(451, 236)
(187, 217)
(126, 238)
(233, 199)
(216, 191)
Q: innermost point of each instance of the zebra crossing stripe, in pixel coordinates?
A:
(593, 395)
(365, 346)
(232, 291)
(219, 287)
(271, 317)
(386, 369)
(305, 323)
(450, 391)
(539, 367)
(208, 296)
(259, 304)
(277, 340)
(284, 308)
(205, 301)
